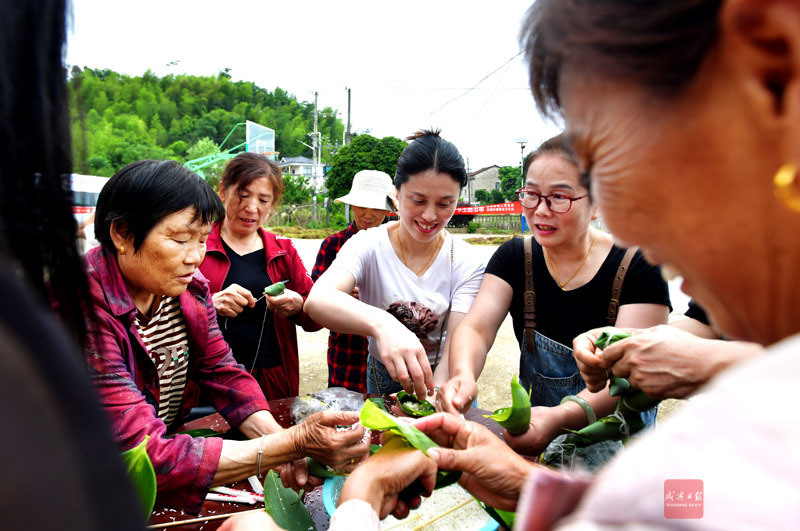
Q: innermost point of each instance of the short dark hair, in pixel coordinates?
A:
(143, 193)
(555, 146)
(429, 151)
(245, 168)
(659, 46)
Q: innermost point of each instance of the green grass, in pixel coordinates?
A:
(488, 240)
(302, 233)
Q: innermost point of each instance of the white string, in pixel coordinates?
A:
(624, 428)
(260, 336)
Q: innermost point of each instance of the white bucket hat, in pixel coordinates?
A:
(371, 189)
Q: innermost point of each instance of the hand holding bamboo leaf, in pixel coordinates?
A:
(457, 394)
(384, 476)
(318, 437)
(491, 471)
(414, 407)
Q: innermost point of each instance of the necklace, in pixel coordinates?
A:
(553, 269)
(430, 257)
(250, 248)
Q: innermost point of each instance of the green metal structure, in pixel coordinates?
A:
(197, 165)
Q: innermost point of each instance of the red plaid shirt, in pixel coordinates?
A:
(347, 354)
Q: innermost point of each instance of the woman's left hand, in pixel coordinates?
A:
(287, 304)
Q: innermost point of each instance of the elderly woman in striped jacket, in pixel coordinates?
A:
(154, 328)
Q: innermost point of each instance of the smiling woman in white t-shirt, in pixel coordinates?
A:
(416, 282)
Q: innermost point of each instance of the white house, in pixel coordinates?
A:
(483, 179)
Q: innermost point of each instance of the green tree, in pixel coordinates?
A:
(496, 196)
(483, 196)
(365, 152)
(205, 146)
(117, 119)
(510, 181)
(296, 190)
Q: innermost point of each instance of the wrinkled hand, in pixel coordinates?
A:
(287, 304)
(342, 450)
(456, 396)
(405, 359)
(663, 361)
(545, 426)
(296, 477)
(250, 521)
(232, 300)
(492, 471)
(380, 479)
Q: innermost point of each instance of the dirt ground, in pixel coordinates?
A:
(501, 364)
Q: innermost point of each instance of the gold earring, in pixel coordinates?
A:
(784, 186)
(121, 249)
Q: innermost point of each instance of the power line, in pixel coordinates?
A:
(484, 78)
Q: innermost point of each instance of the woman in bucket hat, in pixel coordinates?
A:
(371, 197)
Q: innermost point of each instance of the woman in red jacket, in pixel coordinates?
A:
(242, 259)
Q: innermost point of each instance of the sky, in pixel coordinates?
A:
(409, 65)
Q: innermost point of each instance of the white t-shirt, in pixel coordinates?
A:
(420, 302)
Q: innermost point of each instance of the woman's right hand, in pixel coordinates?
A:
(456, 396)
(546, 424)
(342, 449)
(231, 301)
(492, 471)
(593, 368)
(405, 358)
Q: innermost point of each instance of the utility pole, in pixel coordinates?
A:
(315, 157)
(522, 142)
(348, 116)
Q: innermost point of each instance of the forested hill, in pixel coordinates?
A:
(118, 119)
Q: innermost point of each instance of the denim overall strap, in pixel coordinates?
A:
(546, 367)
(616, 288)
(529, 296)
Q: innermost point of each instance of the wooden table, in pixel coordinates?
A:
(313, 500)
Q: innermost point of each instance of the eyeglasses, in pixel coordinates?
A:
(558, 203)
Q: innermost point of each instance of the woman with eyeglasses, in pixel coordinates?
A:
(574, 266)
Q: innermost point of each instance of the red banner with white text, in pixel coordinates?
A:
(500, 208)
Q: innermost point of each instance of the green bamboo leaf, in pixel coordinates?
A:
(619, 386)
(411, 405)
(285, 506)
(274, 289)
(517, 418)
(315, 468)
(374, 418)
(198, 432)
(504, 518)
(378, 401)
(607, 339)
(143, 476)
